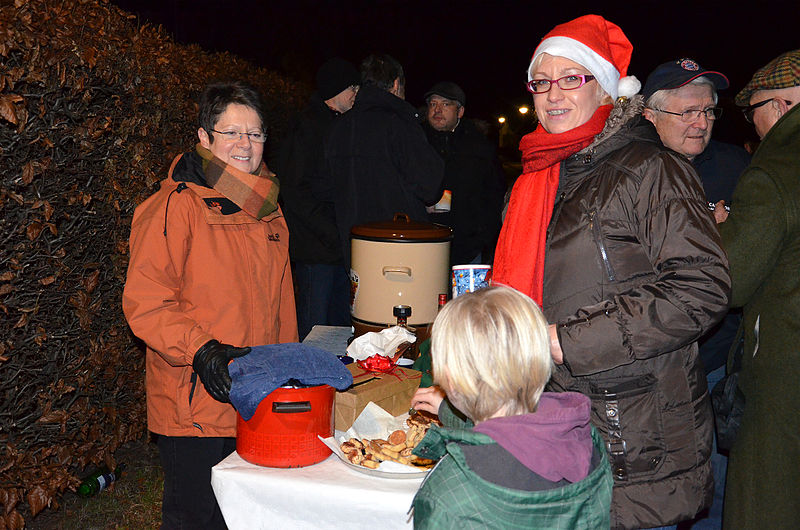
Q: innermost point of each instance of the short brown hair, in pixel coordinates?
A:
(216, 97)
(381, 71)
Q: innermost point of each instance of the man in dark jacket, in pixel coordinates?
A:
(323, 285)
(680, 100)
(762, 238)
(377, 158)
(474, 183)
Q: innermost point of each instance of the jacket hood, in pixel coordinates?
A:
(624, 124)
(190, 169)
(554, 442)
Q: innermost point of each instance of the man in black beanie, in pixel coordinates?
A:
(323, 284)
(337, 84)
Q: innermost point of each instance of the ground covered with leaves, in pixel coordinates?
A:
(93, 107)
(134, 502)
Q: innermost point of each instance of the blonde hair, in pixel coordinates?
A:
(491, 353)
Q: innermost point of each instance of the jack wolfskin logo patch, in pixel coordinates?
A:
(214, 205)
(274, 237)
(222, 205)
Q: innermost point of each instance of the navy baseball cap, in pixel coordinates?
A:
(675, 74)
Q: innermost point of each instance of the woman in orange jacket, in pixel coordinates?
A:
(208, 276)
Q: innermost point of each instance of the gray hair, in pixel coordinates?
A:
(659, 97)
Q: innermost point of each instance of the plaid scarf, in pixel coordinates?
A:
(255, 194)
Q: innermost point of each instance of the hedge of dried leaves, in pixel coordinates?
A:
(93, 106)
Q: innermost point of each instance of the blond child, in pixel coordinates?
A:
(510, 455)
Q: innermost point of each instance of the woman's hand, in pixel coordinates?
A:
(555, 346)
(428, 399)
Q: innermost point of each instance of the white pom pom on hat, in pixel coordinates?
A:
(628, 86)
(596, 44)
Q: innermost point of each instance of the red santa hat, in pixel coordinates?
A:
(596, 44)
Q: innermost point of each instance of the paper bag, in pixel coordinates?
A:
(391, 391)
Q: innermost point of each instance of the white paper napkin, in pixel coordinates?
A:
(383, 343)
(372, 423)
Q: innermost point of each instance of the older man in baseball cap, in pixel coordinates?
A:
(762, 238)
(681, 102)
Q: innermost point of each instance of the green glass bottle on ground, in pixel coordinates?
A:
(99, 480)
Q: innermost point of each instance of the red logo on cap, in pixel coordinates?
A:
(688, 64)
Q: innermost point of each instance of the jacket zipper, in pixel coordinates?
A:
(191, 395)
(601, 247)
(194, 384)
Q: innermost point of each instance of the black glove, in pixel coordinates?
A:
(211, 364)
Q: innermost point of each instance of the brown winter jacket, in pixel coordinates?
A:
(634, 274)
(196, 274)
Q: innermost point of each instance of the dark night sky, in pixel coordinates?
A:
(484, 46)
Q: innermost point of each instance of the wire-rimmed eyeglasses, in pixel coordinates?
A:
(749, 110)
(568, 82)
(258, 137)
(688, 116)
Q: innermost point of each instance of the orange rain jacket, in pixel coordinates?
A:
(196, 275)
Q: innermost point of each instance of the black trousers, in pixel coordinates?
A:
(189, 502)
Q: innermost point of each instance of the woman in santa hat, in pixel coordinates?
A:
(609, 232)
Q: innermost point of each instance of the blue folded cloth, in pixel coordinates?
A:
(255, 375)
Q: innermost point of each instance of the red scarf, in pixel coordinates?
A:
(519, 257)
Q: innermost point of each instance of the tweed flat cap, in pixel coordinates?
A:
(781, 72)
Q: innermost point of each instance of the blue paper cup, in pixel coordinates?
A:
(470, 278)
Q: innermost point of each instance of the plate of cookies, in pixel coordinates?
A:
(380, 444)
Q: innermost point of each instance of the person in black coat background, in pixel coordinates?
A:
(474, 182)
(377, 159)
(322, 282)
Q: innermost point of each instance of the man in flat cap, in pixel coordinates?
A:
(323, 283)
(474, 182)
(762, 238)
(681, 102)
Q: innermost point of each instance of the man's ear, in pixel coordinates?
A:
(460, 112)
(780, 106)
(398, 89)
(649, 115)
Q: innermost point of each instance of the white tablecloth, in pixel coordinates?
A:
(325, 495)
